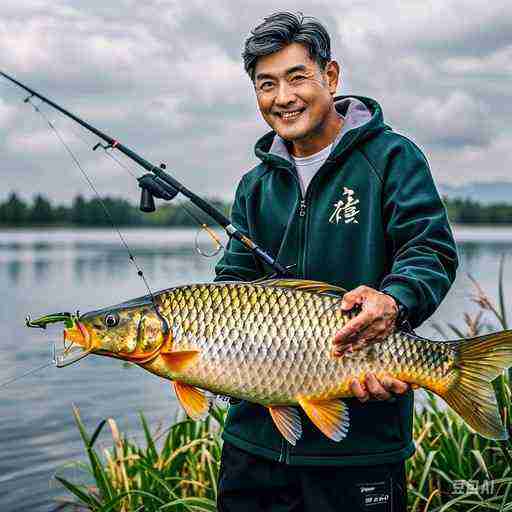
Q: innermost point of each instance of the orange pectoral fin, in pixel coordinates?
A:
(331, 417)
(287, 421)
(193, 400)
(179, 360)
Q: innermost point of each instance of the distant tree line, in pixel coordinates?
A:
(467, 211)
(16, 212)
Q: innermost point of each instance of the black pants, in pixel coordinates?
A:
(253, 484)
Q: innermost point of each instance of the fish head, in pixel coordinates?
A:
(133, 331)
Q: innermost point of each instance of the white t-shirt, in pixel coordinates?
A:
(308, 165)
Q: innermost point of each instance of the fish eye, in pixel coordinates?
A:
(111, 319)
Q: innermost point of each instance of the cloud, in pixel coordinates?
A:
(456, 120)
(6, 115)
(456, 165)
(166, 78)
(497, 64)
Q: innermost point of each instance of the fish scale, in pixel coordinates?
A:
(279, 339)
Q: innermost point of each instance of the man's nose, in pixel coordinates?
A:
(285, 94)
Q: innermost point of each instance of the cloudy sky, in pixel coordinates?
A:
(165, 78)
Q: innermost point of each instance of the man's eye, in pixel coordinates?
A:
(297, 78)
(266, 86)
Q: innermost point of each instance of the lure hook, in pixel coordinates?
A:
(213, 236)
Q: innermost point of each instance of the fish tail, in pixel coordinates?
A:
(479, 361)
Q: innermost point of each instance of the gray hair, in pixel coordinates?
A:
(281, 29)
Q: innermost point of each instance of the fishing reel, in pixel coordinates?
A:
(152, 186)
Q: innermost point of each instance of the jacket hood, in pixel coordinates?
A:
(362, 116)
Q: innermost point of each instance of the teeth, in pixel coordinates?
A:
(288, 115)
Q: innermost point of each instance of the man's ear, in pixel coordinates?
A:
(332, 75)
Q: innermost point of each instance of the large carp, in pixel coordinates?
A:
(270, 342)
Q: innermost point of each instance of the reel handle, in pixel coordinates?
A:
(152, 186)
(147, 201)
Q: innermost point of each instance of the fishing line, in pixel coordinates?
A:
(27, 373)
(133, 174)
(107, 153)
(106, 150)
(132, 258)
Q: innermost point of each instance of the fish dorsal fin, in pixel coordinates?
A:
(179, 360)
(287, 421)
(331, 417)
(193, 400)
(304, 285)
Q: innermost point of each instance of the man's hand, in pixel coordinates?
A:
(377, 389)
(375, 321)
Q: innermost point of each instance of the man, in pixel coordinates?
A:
(341, 198)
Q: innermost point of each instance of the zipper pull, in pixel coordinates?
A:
(302, 208)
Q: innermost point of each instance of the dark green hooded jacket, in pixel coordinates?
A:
(371, 216)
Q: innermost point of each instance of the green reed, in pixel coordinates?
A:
(453, 469)
(175, 470)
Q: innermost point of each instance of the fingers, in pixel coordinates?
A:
(396, 386)
(374, 322)
(353, 297)
(356, 335)
(359, 391)
(352, 328)
(373, 388)
(376, 389)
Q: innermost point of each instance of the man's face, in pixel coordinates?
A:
(294, 94)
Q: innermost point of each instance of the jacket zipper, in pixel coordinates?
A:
(302, 208)
(284, 455)
(304, 228)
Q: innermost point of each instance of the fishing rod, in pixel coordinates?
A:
(159, 183)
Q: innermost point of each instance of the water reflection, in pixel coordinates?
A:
(66, 270)
(41, 269)
(14, 271)
(79, 268)
(471, 250)
(40, 245)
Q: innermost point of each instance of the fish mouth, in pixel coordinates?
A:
(76, 338)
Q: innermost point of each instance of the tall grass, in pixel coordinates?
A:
(176, 470)
(453, 468)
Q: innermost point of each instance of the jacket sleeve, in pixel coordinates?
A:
(418, 236)
(237, 262)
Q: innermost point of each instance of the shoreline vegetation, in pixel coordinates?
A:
(176, 469)
(16, 212)
(40, 212)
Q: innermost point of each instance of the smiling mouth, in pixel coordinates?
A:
(288, 116)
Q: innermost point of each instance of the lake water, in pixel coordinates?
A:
(44, 272)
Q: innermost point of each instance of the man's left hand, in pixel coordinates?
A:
(375, 322)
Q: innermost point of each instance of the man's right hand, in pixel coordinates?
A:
(377, 389)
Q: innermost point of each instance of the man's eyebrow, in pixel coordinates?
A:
(299, 67)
